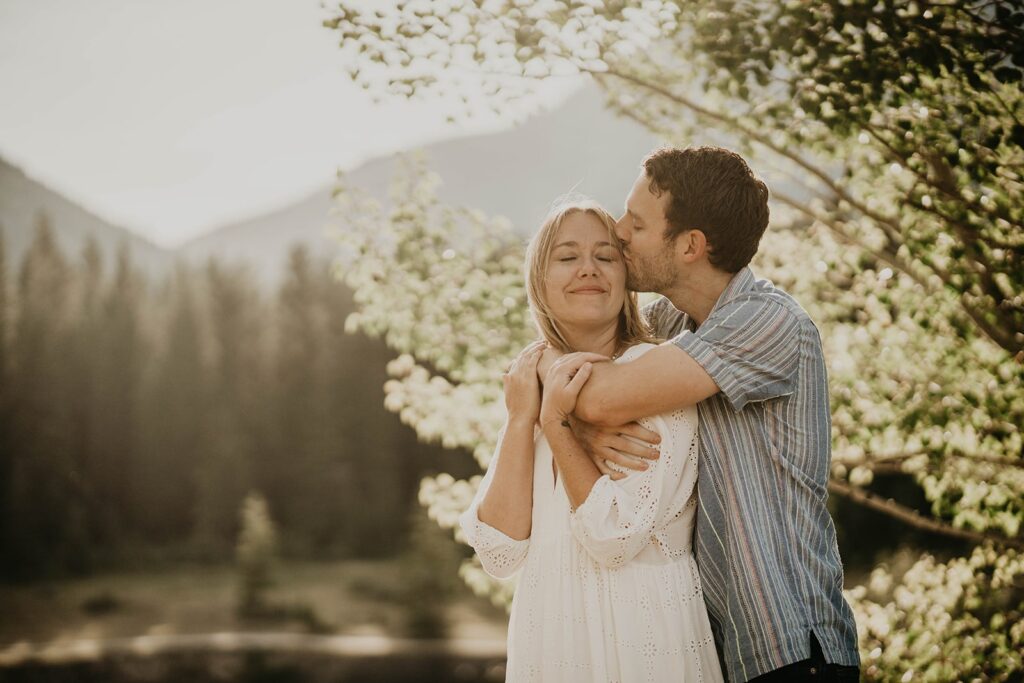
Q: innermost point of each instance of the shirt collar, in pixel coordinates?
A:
(742, 281)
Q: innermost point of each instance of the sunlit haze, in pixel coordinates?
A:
(173, 118)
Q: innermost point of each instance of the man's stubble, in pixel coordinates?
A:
(657, 274)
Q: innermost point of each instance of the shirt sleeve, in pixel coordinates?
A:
(500, 555)
(654, 314)
(749, 347)
(620, 518)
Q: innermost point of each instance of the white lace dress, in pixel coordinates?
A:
(610, 592)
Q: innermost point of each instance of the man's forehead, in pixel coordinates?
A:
(641, 199)
(633, 199)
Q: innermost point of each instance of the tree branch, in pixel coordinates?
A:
(949, 190)
(885, 222)
(885, 257)
(915, 519)
(986, 459)
(998, 336)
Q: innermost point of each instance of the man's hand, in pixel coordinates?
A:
(621, 445)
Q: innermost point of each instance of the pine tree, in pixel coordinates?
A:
(120, 357)
(86, 408)
(6, 401)
(5, 306)
(44, 520)
(236, 416)
(299, 487)
(174, 417)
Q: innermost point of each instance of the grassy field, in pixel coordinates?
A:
(346, 598)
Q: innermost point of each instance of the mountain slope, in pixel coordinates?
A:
(23, 200)
(515, 173)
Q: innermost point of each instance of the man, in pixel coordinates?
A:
(750, 358)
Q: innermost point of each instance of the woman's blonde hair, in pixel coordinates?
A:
(633, 328)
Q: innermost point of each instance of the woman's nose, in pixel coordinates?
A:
(588, 266)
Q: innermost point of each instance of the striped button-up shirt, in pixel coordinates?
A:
(765, 542)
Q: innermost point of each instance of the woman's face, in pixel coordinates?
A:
(586, 277)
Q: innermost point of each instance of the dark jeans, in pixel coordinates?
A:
(815, 669)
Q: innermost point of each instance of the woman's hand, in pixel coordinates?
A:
(522, 388)
(563, 383)
(547, 358)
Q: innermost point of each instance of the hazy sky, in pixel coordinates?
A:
(171, 117)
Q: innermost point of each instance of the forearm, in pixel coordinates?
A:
(600, 401)
(663, 379)
(577, 470)
(508, 503)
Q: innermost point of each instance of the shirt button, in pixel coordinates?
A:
(814, 671)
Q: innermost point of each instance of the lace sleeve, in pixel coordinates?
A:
(500, 554)
(619, 518)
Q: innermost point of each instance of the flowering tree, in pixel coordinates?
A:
(444, 287)
(898, 128)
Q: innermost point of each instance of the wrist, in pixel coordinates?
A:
(553, 420)
(521, 421)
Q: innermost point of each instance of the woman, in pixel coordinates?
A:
(609, 589)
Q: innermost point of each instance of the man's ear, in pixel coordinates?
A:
(691, 245)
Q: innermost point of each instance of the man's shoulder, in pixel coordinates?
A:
(766, 294)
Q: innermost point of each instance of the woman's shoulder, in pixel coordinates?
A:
(635, 351)
(683, 418)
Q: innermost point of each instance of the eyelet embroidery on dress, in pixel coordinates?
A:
(584, 610)
(500, 555)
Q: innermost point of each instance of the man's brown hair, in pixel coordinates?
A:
(712, 190)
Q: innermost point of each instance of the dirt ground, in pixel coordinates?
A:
(347, 598)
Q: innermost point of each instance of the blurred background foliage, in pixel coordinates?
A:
(901, 125)
(136, 416)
